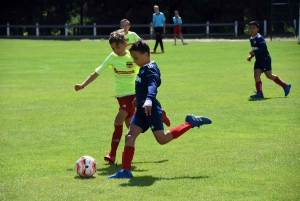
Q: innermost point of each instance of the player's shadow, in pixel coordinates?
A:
(150, 180)
(140, 181)
(258, 99)
(111, 168)
(261, 99)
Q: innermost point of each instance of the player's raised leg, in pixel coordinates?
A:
(286, 86)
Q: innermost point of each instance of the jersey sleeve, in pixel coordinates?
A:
(106, 63)
(262, 49)
(164, 18)
(179, 20)
(153, 81)
(136, 37)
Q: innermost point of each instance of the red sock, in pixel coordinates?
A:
(127, 157)
(180, 129)
(279, 81)
(258, 86)
(116, 139)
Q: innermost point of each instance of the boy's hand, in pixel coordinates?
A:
(78, 87)
(147, 110)
(249, 58)
(134, 102)
(251, 52)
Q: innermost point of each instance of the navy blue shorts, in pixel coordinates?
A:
(263, 64)
(153, 121)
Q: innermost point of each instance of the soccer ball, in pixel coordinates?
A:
(86, 166)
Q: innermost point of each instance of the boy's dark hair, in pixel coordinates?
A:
(117, 37)
(140, 46)
(255, 23)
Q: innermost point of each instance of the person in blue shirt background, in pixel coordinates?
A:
(159, 26)
(263, 62)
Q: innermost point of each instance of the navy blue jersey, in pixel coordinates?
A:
(259, 47)
(146, 84)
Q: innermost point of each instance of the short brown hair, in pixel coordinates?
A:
(255, 23)
(117, 36)
(125, 20)
(140, 46)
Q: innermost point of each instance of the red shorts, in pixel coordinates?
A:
(177, 29)
(125, 103)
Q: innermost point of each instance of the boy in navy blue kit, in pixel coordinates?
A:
(148, 109)
(263, 62)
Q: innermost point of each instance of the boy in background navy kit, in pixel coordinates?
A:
(263, 62)
(148, 109)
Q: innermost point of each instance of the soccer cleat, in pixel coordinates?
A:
(110, 158)
(165, 119)
(287, 89)
(257, 95)
(162, 51)
(121, 174)
(197, 120)
(153, 52)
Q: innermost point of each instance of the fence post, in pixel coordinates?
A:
(37, 29)
(265, 27)
(236, 28)
(66, 29)
(7, 30)
(95, 30)
(207, 28)
(295, 26)
(151, 30)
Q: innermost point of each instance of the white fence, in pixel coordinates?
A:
(66, 27)
(93, 32)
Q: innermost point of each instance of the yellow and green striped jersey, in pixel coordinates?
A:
(125, 71)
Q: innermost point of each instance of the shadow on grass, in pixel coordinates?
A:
(150, 180)
(83, 178)
(258, 99)
(111, 168)
(141, 180)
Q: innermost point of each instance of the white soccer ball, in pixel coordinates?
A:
(86, 166)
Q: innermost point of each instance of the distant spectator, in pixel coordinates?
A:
(159, 25)
(177, 27)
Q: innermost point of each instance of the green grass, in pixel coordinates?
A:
(250, 152)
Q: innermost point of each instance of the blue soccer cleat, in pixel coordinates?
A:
(257, 95)
(197, 120)
(121, 174)
(287, 89)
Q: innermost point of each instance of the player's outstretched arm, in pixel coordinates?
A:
(90, 79)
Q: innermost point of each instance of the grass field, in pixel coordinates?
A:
(251, 151)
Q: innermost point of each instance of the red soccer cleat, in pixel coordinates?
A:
(110, 158)
(165, 119)
(153, 52)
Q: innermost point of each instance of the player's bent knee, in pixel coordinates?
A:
(161, 141)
